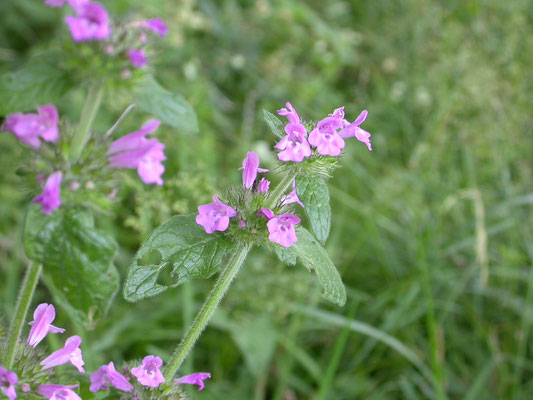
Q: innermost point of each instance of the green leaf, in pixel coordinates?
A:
(275, 125)
(76, 258)
(315, 257)
(286, 255)
(171, 108)
(184, 248)
(37, 82)
(313, 192)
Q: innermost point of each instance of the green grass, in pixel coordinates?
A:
(431, 231)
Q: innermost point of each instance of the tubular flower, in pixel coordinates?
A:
(215, 216)
(267, 213)
(263, 186)
(136, 151)
(41, 325)
(351, 130)
(107, 375)
(292, 197)
(250, 167)
(294, 146)
(58, 392)
(281, 229)
(155, 25)
(69, 353)
(91, 22)
(29, 127)
(195, 379)
(50, 197)
(137, 58)
(8, 380)
(148, 374)
(325, 136)
(290, 113)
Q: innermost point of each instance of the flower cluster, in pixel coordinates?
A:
(147, 374)
(91, 22)
(134, 150)
(326, 137)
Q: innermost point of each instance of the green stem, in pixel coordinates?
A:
(282, 187)
(208, 309)
(23, 303)
(88, 114)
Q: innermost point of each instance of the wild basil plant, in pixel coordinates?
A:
(76, 171)
(223, 232)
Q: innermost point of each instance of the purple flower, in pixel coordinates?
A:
(29, 127)
(148, 374)
(263, 186)
(50, 196)
(107, 375)
(290, 113)
(353, 129)
(43, 316)
(292, 197)
(294, 145)
(7, 381)
(155, 25)
(267, 213)
(58, 392)
(325, 137)
(91, 22)
(136, 151)
(215, 216)
(281, 229)
(69, 353)
(137, 57)
(250, 165)
(195, 379)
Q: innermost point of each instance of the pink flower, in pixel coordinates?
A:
(91, 22)
(250, 165)
(267, 213)
(41, 325)
(50, 196)
(156, 25)
(263, 186)
(292, 197)
(290, 113)
(29, 127)
(8, 380)
(215, 216)
(353, 129)
(281, 229)
(294, 146)
(107, 375)
(137, 57)
(58, 392)
(69, 353)
(148, 374)
(136, 151)
(326, 138)
(195, 379)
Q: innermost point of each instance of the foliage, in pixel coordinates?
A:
(437, 217)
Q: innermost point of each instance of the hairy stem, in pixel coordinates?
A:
(208, 309)
(282, 187)
(23, 303)
(88, 114)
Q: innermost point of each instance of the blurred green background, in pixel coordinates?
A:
(431, 231)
